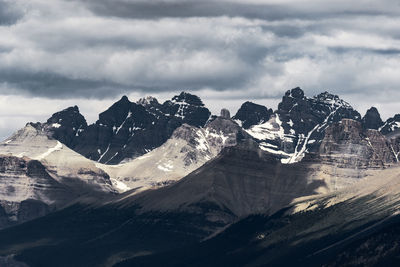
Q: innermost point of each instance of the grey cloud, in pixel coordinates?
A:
(364, 51)
(140, 9)
(92, 56)
(51, 85)
(8, 13)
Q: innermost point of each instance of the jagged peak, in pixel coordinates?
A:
(70, 115)
(188, 99)
(148, 100)
(72, 109)
(332, 99)
(124, 99)
(295, 93)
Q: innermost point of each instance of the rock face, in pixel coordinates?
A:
(39, 174)
(251, 114)
(372, 119)
(28, 190)
(34, 143)
(348, 144)
(126, 130)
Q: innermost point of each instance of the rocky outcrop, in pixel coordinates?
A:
(251, 114)
(372, 119)
(225, 113)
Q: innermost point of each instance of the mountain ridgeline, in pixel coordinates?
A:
(128, 130)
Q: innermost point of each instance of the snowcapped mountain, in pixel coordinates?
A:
(188, 148)
(299, 124)
(127, 130)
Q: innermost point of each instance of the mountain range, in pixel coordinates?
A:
(312, 183)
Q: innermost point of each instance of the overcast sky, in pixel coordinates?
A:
(58, 53)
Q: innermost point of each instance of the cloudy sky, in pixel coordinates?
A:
(58, 53)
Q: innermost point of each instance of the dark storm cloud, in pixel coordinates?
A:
(8, 13)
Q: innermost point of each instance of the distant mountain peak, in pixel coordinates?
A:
(124, 98)
(148, 100)
(188, 99)
(295, 93)
(250, 114)
(332, 99)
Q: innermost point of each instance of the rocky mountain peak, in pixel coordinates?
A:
(69, 117)
(331, 99)
(372, 119)
(295, 93)
(250, 114)
(187, 98)
(66, 125)
(124, 99)
(147, 101)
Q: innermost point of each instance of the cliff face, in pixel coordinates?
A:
(348, 144)
(27, 190)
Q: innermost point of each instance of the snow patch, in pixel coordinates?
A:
(57, 147)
